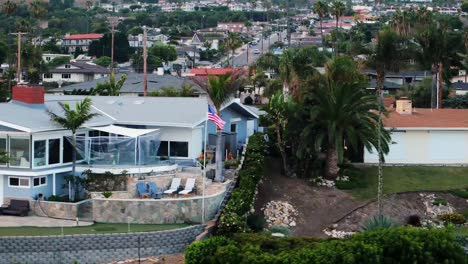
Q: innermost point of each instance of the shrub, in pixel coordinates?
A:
(395, 245)
(281, 229)
(256, 222)
(56, 198)
(439, 201)
(107, 194)
(233, 218)
(230, 164)
(454, 218)
(414, 220)
(463, 193)
(376, 222)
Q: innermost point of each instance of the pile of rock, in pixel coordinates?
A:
(434, 210)
(332, 232)
(278, 213)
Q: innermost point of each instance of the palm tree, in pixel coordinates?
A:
(37, 9)
(220, 90)
(287, 72)
(111, 87)
(337, 10)
(278, 109)
(345, 115)
(9, 7)
(267, 6)
(233, 42)
(73, 119)
(387, 57)
(187, 90)
(321, 9)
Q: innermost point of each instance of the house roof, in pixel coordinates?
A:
(123, 110)
(134, 83)
(401, 73)
(83, 67)
(239, 107)
(460, 86)
(211, 71)
(387, 84)
(428, 118)
(83, 36)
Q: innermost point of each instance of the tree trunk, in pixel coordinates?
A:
(282, 150)
(380, 85)
(439, 94)
(336, 38)
(332, 168)
(434, 86)
(233, 52)
(219, 156)
(71, 195)
(321, 34)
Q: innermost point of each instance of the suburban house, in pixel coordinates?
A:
(153, 35)
(425, 136)
(72, 42)
(139, 135)
(396, 80)
(200, 38)
(461, 88)
(238, 27)
(133, 86)
(47, 57)
(75, 72)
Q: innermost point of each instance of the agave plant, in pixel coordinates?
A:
(377, 222)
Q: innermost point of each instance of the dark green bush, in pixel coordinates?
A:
(256, 222)
(396, 245)
(233, 218)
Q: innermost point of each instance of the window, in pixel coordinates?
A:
(3, 147)
(48, 75)
(39, 153)
(19, 152)
(163, 149)
(233, 127)
(18, 182)
(178, 149)
(47, 58)
(40, 181)
(68, 149)
(66, 76)
(54, 151)
(67, 66)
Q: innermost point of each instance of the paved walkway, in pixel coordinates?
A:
(16, 221)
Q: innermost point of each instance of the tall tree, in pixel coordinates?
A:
(233, 42)
(321, 9)
(9, 7)
(220, 90)
(73, 119)
(38, 9)
(345, 115)
(337, 10)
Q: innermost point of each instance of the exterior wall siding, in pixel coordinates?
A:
(27, 192)
(425, 147)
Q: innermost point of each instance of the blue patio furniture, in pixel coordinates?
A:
(154, 190)
(142, 189)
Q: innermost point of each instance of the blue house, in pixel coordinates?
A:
(241, 122)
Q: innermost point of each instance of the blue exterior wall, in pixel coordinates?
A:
(59, 182)
(227, 114)
(30, 192)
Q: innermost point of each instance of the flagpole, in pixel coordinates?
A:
(204, 170)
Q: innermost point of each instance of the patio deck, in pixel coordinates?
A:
(39, 221)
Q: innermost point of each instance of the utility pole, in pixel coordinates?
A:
(18, 64)
(145, 74)
(113, 22)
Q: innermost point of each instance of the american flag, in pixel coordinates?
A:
(212, 116)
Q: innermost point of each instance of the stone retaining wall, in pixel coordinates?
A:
(156, 211)
(59, 209)
(92, 249)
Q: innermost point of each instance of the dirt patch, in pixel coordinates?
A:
(317, 207)
(170, 259)
(398, 207)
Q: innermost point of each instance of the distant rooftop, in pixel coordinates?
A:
(83, 36)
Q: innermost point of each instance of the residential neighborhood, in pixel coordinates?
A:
(215, 131)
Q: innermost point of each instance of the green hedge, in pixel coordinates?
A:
(233, 218)
(394, 245)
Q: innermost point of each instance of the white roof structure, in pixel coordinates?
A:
(124, 131)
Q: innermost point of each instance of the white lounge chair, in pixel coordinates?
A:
(189, 185)
(174, 186)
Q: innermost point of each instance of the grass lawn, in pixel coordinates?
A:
(462, 231)
(409, 178)
(98, 228)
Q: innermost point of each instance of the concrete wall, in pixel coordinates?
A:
(160, 211)
(93, 249)
(425, 147)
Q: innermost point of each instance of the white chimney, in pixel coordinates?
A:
(404, 106)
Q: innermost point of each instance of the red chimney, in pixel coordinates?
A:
(28, 94)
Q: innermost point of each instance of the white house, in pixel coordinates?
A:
(75, 72)
(425, 136)
(136, 134)
(72, 42)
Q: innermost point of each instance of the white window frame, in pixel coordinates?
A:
(6, 149)
(40, 184)
(46, 139)
(19, 181)
(10, 137)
